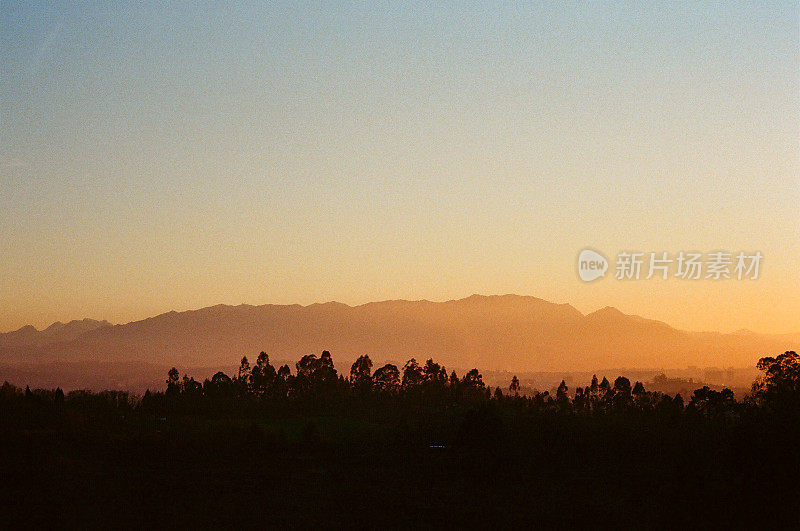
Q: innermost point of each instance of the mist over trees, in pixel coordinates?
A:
(316, 387)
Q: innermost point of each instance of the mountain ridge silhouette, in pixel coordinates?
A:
(493, 332)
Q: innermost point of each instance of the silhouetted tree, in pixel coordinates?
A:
(434, 373)
(326, 369)
(621, 393)
(710, 402)
(622, 385)
(173, 385)
(473, 379)
(454, 379)
(387, 378)
(412, 374)
(561, 393)
(582, 400)
(514, 387)
(306, 366)
(262, 377)
(191, 387)
(780, 385)
(316, 376)
(594, 387)
(220, 386)
(361, 373)
(283, 381)
(243, 376)
(220, 378)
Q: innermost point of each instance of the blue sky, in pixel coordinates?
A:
(157, 157)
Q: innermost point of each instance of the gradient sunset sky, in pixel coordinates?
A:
(160, 157)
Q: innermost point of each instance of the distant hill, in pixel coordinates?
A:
(58, 332)
(508, 332)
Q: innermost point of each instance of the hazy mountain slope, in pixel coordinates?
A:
(57, 332)
(496, 332)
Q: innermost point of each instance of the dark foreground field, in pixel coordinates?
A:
(273, 449)
(192, 472)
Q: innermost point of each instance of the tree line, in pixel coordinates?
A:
(319, 447)
(316, 387)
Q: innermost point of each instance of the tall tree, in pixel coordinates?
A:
(387, 378)
(434, 373)
(780, 383)
(173, 379)
(361, 373)
(593, 388)
(561, 392)
(262, 377)
(473, 379)
(412, 374)
(243, 375)
(454, 381)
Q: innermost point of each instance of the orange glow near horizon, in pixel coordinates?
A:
(151, 162)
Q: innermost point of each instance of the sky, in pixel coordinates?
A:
(167, 157)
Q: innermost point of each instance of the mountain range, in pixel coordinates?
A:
(506, 332)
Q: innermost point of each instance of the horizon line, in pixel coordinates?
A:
(473, 295)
